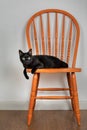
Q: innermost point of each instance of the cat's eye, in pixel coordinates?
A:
(28, 58)
(23, 58)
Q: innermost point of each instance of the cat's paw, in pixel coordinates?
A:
(27, 77)
(33, 71)
(25, 74)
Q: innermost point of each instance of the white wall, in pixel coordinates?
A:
(14, 88)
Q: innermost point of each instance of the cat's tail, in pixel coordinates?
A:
(25, 74)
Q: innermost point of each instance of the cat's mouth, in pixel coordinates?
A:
(26, 65)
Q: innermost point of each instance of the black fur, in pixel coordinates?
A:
(35, 62)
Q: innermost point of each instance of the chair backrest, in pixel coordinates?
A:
(54, 32)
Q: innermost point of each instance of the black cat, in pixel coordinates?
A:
(35, 62)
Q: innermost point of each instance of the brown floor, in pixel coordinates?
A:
(42, 120)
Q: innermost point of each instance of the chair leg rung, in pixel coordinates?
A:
(53, 89)
(53, 97)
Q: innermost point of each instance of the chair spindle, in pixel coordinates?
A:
(35, 37)
(69, 42)
(42, 35)
(48, 31)
(63, 34)
(56, 34)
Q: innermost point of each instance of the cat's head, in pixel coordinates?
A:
(25, 57)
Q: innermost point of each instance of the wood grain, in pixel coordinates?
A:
(42, 120)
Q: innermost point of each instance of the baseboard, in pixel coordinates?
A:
(41, 105)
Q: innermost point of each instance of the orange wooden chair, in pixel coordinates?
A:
(65, 43)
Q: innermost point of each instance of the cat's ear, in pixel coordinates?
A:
(20, 53)
(30, 52)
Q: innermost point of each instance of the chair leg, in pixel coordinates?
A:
(36, 89)
(70, 88)
(75, 98)
(32, 97)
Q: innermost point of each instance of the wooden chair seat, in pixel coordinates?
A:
(54, 70)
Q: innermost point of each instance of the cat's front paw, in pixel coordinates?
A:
(25, 74)
(26, 77)
(33, 71)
